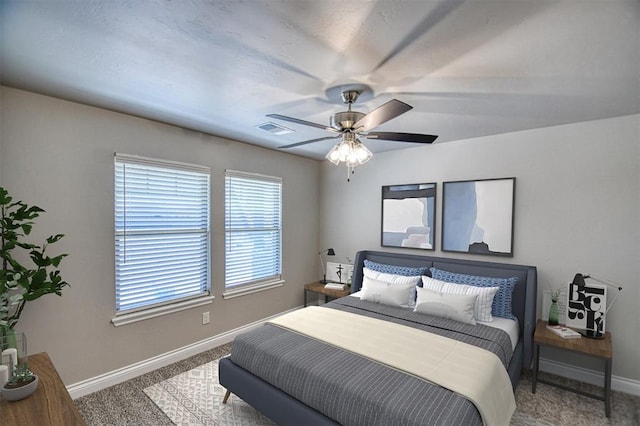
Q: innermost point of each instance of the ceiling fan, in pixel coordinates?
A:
(358, 123)
(353, 124)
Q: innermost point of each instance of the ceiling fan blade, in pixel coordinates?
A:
(401, 137)
(298, 121)
(307, 142)
(382, 114)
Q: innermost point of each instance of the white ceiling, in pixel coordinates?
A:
(469, 68)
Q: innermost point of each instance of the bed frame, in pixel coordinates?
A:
(283, 409)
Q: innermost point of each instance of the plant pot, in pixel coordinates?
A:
(553, 313)
(16, 394)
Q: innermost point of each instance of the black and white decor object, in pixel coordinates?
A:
(587, 305)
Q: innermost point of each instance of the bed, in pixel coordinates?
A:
(295, 379)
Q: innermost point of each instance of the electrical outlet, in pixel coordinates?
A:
(205, 318)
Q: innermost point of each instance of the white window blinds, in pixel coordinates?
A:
(253, 228)
(161, 232)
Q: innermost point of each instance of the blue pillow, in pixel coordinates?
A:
(407, 271)
(501, 306)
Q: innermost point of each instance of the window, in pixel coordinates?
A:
(253, 232)
(161, 237)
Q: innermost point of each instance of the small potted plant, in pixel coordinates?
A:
(22, 384)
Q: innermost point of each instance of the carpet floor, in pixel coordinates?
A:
(128, 404)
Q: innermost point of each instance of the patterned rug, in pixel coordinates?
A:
(195, 398)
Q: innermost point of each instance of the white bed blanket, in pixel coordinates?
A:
(472, 372)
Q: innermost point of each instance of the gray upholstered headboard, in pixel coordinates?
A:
(524, 294)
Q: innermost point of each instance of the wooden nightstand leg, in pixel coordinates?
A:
(607, 387)
(536, 359)
(305, 297)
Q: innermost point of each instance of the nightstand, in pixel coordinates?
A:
(599, 348)
(328, 293)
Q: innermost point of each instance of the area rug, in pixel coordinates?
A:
(195, 398)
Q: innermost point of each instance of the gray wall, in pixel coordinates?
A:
(59, 155)
(577, 208)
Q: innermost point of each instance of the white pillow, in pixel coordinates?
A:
(459, 307)
(483, 301)
(387, 293)
(394, 279)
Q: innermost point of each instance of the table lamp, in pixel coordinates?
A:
(329, 252)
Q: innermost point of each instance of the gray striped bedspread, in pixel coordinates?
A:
(352, 390)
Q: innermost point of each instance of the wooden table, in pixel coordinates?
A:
(327, 292)
(599, 348)
(50, 404)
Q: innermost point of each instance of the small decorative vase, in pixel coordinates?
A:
(553, 313)
(16, 394)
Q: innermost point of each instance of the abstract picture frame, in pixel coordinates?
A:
(409, 216)
(478, 216)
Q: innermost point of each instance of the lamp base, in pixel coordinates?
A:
(591, 334)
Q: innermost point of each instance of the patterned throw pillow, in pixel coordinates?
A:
(407, 271)
(501, 306)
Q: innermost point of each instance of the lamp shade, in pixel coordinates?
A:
(578, 280)
(334, 155)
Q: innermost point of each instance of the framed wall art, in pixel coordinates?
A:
(477, 216)
(408, 216)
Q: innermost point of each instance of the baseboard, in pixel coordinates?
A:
(103, 381)
(618, 383)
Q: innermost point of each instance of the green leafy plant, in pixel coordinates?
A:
(555, 294)
(28, 272)
(21, 376)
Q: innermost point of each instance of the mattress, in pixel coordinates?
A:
(351, 389)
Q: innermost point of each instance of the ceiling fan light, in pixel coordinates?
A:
(344, 150)
(333, 155)
(350, 151)
(352, 163)
(362, 153)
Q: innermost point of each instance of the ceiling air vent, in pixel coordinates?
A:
(274, 128)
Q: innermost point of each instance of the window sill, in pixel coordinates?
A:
(242, 291)
(160, 311)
